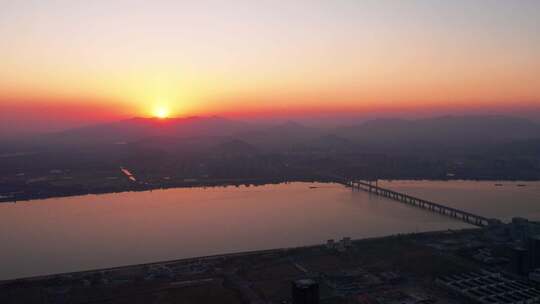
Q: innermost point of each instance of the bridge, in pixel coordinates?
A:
(464, 216)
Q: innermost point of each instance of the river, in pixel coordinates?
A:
(98, 231)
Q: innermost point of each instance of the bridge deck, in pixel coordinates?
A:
(464, 216)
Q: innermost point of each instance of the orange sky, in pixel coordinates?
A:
(89, 62)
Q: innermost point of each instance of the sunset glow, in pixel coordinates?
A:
(162, 112)
(242, 57)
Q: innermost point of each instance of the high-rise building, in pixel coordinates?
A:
(533, 246)
(305, 291)
(520, 263)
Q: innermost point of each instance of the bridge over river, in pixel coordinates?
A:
(464, 216)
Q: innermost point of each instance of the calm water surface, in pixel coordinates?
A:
(502, 200)
(97, 231)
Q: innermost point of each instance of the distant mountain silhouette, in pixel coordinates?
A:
(178, 145)
(469, 146)
(281, 137)
(329, 143)
(234, 147)
(201, 134)
(441, 132)
(137, 129)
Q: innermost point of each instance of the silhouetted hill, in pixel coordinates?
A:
(329, 143)
(479, 147)
(521, 148)
(282, 137)
(140, 128)
(178, 145)
(436, 136)
(440, 132)
(233, 147)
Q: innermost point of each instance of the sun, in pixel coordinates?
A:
(162, 112)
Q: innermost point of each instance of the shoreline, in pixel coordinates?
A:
(224, 256)
(141, 187)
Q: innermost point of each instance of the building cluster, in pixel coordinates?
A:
(521, 229)
(490, 288)
(525, 249)
(341, 245)
(351, 282)
(487, 257)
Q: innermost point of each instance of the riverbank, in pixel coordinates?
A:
(247, 254)
(77, 190)
(143, 186)
(404, 265)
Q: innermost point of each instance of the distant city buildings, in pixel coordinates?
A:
(340, 246)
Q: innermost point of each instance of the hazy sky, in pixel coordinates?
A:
(97, 60)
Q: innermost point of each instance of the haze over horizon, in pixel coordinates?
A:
(67, 64)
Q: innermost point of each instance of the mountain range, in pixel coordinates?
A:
(488, 147)
(194, 134)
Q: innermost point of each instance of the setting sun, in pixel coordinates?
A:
(162, 112)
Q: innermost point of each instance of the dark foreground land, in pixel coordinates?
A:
(396, 269)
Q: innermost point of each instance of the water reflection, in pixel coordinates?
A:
(96, 231)
(501, 200)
